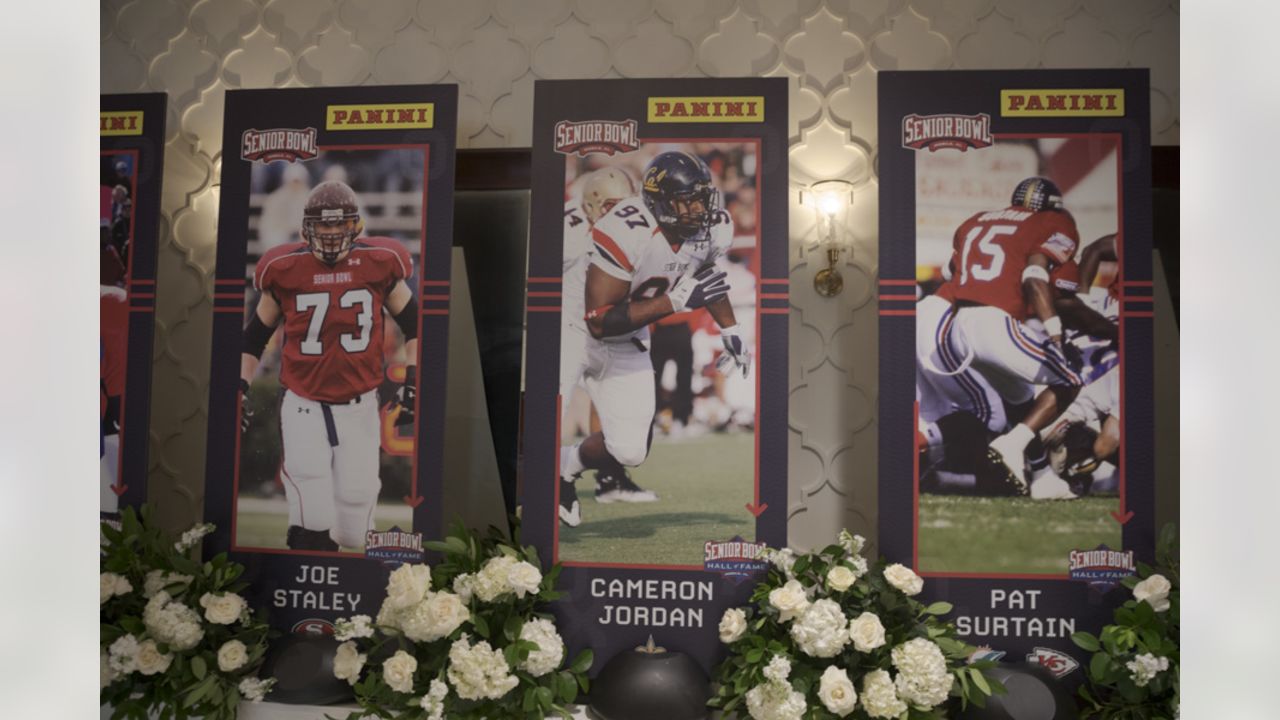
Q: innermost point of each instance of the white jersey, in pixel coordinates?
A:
(577, 252)
(628, 245)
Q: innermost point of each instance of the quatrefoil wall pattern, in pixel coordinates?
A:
(494, 49)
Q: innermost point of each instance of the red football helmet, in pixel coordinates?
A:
(331, 220)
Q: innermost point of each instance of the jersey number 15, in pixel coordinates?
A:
(988, 250)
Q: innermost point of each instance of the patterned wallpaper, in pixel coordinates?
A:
(495, 50)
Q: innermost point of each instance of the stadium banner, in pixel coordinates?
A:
(1016, 418)
(655, 427)
(131, 164)
(331, 309)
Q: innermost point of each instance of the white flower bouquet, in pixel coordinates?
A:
(462, 640)
(1134, 671)
(177, 639)
(827, 636)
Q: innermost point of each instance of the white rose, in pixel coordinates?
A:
(840, 578)
(821, 631)
(254, 689)
(903, 578)
(836, 692)
(867, 632)
(784, 560)
(223, 608)
(790, 600)
(433, 701)
(494, 578)
(1154, 591)
(438, 615)
(232, 656)
(550, 652)
(398, 671)
(1144, 668)
(407, 585)
(111, 585)
(879, 698)
(524, 579)
(150, 660)
(357, 626)
(778, 669)
(388, 617)
(348, 662)
(733, 625)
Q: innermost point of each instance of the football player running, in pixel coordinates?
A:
(651, 256)
(331, 289)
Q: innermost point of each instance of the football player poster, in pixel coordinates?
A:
(330, 321)
(1016, 423)
(656, 392)
(130, 163)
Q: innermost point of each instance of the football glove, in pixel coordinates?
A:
(702, 288)
(736, 355)
(407, 397)
(246, 410)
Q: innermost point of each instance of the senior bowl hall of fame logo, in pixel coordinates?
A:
(331, 308)
(655, 447)
(1016, 424)
(130, 162)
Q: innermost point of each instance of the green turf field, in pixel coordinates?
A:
(263, 522)
(1011, 535)
(703, 486)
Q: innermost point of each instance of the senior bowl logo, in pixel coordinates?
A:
(278, 144)
(736, 559)
(394, 547)
(1102, 567)
(596, 136)
(937, 132)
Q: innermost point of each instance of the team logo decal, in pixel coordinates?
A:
(279, 144)
(716, 109)
(957, 132)
(735, 559)
(1062, 103)
(394, 547)
(1056, 662)
(985, 652)
(312, 626)
(596, 136)
(1103, 568)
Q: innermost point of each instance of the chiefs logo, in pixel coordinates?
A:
(1058, 663)
(313, 626)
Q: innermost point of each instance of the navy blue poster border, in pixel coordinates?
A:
(1017, 616)
(580, 611)
(304, 591)
(147, 150)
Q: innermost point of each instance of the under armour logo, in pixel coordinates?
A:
(353, 261)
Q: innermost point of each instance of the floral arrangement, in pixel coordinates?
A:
(177, 640)
(462, 640)
(827, 636)
(1134, 669)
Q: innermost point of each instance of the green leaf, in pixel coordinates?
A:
(200, 691)
(198, 667)
(939, 608)
(980, 680)
(481, 625)
(582, 663)
(1086, 641)
(1098, 666)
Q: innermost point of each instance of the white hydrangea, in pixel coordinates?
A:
(851, 543)
(550, 652)
(438, 615)
(464, 586)
(1144, 668)
(790, 600)
(778, 669)
(407, 586)
(821, 630)
(357, 626)
(254, 689)
(150, 660)
(479, 672)
(171, 622)
(866, 631)
(904, 578)
(836, 692)
(388, 617)
(192, 536)
(398, 671)
(106, 675)
(775, 701)
(348, 661)
(157, 580)
(494, 579)
(878, 697)
(733, 625)
(783, 559)
(110, 585)
(223, 608)
(433, 701)
(923, 678)
(858, 564)
(524, 578)
(122, 657)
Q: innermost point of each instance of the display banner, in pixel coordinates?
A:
(331, 308)
(655, 429)
(1016, 316)
(130, 165)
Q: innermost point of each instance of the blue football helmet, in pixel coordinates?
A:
(1036, 194)
(678, 191)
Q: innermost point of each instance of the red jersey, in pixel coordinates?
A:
(333, 321)
(990, 252)
(113, 338)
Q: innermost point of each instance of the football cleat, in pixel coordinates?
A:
(611, 488)
(300, 538)
(1003, 454)
(570, 510)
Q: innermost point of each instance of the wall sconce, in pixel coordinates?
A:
(830, 199)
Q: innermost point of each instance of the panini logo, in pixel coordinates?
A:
(394, 547)
(1062, 103)
(392, 116)
(936, 132)
(127, 122)
(735, 559)
(706, 109)
(1103, 568)
(596, 136)
(279, 144)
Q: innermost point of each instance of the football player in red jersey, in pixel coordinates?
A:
(331, 289)
(113, 340)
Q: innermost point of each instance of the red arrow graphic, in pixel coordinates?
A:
(756, 509)
(119, 488)
(1122, 516)
(414, 500)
